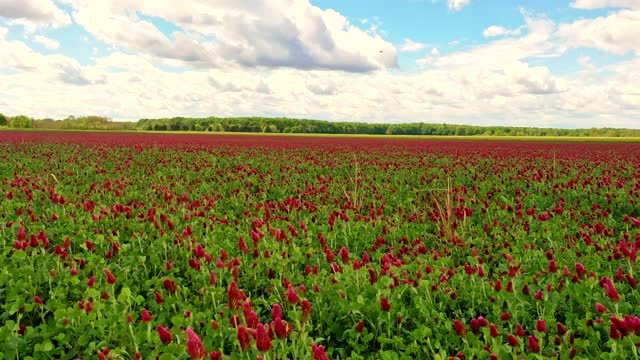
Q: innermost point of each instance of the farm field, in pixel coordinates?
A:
(144, 246)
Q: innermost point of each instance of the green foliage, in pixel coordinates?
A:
(3, 120)
(20, 121)
(302, 126)
(83, 123)
(306, 126)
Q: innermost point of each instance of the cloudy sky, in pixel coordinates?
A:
(545, 63)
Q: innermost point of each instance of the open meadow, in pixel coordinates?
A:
(179, 246)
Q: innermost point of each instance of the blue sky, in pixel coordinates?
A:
(546, 63)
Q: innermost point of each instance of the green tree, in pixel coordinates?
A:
(20, 121)
(3, 120)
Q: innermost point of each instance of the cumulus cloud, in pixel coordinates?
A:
(412, 46)
(491, 83)
(224, 87)
(279, 33)
(609, 33)
(55, 68)
(494, 30)
(598, 4)
(47, 42)
(538, 80)
(33, 13)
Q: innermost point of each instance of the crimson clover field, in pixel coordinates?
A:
(129, 246)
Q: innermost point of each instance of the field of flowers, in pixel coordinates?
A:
(145, 246)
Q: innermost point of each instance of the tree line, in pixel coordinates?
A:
(300, 126)
(69, 123)
(306, 126)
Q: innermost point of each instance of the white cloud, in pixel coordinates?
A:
(509, 52)
(33, 13)
(598, 4)
(412, 46)
(279, 33)
(47, 42)
(609, 33)
(458, 4)
(492, 83)
(494, 30)
(54, 69)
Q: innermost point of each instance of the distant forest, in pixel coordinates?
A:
(299, 126)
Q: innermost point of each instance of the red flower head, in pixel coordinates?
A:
(580, 269)
(145, 317)
(493, 330)
(263, 341)
(513, 341)
(252, 320)
(306, 310)
(539, 295)
(194, 345)
(482, 321)
(281, 328)
(292, 295)
(344, 255)
(236, 297)
(365, 257)
(561, 329)
(159, 299)
(247, 307)
(276, 312)
(533, 346)
(459, 327)
(243, 245)
(475, 326)
(614, 332)
(384, 303)
(244, 338)
(360, 326)
(541, 326)
(610, 289)
(170, 286)
(600, 308)
(164, 334)
(318, 352)
(91, 281)
(110, 278)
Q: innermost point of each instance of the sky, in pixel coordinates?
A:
(540, 63)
